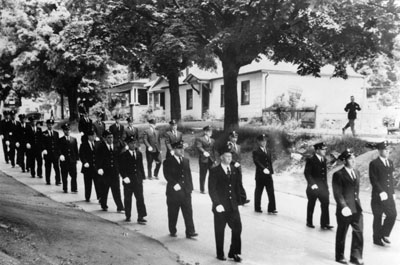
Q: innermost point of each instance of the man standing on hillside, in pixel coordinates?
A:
(151, 138)
(383, 195)
(205, 146)
(351, 109)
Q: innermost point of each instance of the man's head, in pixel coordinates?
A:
(117, 118)
(108, 136)
(352, 98)
(207, 130)
(91, 135)
(320, 148)
(226, 154)
(383, 149)
(152, 123)
(174, 125)
(348, 158)
(66, 129)
(22, 118)
(7, 115)
(130, 121)
(49, 124)
(262, 140)
(178, 148)
(131, 142)
(233, 137)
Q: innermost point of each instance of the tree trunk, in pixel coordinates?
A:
(173, 81)
(62, 105)
(231, 72)
(72, 93)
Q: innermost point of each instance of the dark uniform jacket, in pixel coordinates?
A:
(202, 145)
(107, 160)
(85, 125)
(51, 143)
(131, 131)
(316, 172)
(132, 168)
(69, 149)
(236, 153)
(9, 130)
(152, 139)
(22, 134)
(35, 138)
(381, 178)
(119, 135)
(88, 155)
(99, 128)
(346, 190)
(351, 109)
(177, 173)
(225, 190)
(262, 161)
(170, 138)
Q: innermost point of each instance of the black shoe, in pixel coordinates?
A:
(65, 191)
(156, 177)
(386, 240)
(326, 227)
(221, 257)
(33, 177)
(310, 225)
(357, 261)
(235, 257)
(128, 219)
(172, 234)
(194, 234)
(141, 221)
(150, 178)
(202, 192)
(58, 184)
(104, 209)
(273, 212)
(258, 211)
(120, 210)
(23, 171)
(75, 191)
(48, 183)
(246, 201)
(87, 200)
(40, 177)
(342, 261)
(379, 242)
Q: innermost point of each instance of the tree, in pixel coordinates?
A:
(307, 33)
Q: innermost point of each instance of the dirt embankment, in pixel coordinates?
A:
(37, 230)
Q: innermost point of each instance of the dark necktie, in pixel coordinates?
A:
(352, 175)
(228, 171)
(180, 160)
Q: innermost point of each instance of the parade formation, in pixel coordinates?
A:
(114, 157)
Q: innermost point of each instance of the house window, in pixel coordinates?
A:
(222, 96)
(142, 99)
(189, 99)
(246, 92)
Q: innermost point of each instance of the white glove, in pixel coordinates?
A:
(220, 208)
(81, 133)
(7, 143)
(10, 133)
(383, 196)
(394, 196)
(62, 158)
(17, 145)
(266, 171)
(100, 172)
(1, 137)
(44, 152)
(206, 154)
(150, 148)
(172, 152)
(86, 165)
(346, 211)
(126, 147)
(28, 146)
(314, 187)
(177, 187)
(97, 138)
(126, 180)
(237, 164)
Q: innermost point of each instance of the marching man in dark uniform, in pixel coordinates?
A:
(205, 146)
(383, 195)
(151, 139)
(179, 190)
(3, 136)
(118, 132)
(130, 130)
(107, 167)
(132, 173)
(9, 131)
(51, 152)
(317, 186)
(87, 155)
(233, 137)
(224, 189)
(172, 136)
(346, 188)
(85, 125)
(68, 158)
(99, 126)
(34, 146)
(22, 135)
(351, 109)
(264, 171)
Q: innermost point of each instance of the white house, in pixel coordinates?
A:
(259, 85)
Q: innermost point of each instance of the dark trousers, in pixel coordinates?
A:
(351, 125)
(10, 153)
(267, 183)
(234, 222)
(69, 168)
(90, 177)
(153, 157)
(204, 168)
(137, 190)
(49, 160)
(22, 158)
(387, 207)
(323, 196)
(183, 201)
(357, 242)
(35, 156)
(5, 150)
(111, 180)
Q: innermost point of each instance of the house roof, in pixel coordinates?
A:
(127, 86)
